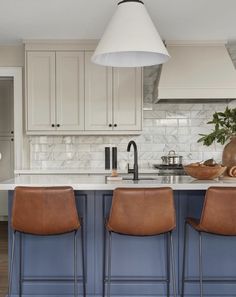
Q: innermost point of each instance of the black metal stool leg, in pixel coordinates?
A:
(20, 264)
(200, 263)
(11, 264)
(173, 265)
(109, 265)
(168, 264)
(104, 262)
(83, 260)
(75, 264)
(184, 259)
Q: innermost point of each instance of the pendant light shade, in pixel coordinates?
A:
(130, 39)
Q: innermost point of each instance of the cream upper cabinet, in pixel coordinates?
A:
(40, 91)
(113, 98)
(127, 99)
(55, 92)
(98, 96)
(70, 91)
(66, 94)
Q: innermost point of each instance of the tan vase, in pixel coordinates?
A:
(229, 154)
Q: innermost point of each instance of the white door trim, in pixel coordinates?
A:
(16, 74)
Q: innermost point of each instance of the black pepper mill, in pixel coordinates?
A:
(107, 158)
(114, 158)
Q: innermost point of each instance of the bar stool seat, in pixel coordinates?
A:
(141, 212)
(45, 211)
(218, 217)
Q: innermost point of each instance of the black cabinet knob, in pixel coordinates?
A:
(110, 125)
(115, 125)
(12, 132)
(58, 125)
(53, 125)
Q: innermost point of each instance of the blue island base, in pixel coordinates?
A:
(48, 261)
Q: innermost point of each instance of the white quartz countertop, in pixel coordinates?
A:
(78, 171)
(99, 182)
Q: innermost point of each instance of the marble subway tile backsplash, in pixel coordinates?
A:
(165, 127)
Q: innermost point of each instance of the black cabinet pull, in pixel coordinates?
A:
(53, 125)
(12, 132)
(115, 125)
(110, 125)
(58, 125)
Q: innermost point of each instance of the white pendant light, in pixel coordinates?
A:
(130, 39)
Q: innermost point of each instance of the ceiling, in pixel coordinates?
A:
(86, 19)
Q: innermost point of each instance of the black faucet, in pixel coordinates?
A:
(135, 168)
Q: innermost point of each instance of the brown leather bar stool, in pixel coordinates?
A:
(44, 212)
(141, 212)
(218, 217)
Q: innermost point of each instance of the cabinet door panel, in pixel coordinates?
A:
(98, 96)
(70, 90)
(41, 90)
(6, 107)
(6, 169)
(127, 98)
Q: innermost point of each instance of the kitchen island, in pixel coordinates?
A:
(132, 257)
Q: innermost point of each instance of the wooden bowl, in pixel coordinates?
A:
(205, 172)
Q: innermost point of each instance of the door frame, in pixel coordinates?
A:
(16, 74)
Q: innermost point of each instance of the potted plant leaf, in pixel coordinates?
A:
(224, 131)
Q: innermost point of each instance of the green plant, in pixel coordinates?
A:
(225, 127)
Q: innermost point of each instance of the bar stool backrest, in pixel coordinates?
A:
(219, 211)
(142, 211)
(44, 211)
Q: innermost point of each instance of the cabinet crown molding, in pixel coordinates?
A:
(57, 45)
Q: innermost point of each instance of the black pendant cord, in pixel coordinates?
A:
(139, 1)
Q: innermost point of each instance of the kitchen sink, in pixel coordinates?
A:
(141, 178)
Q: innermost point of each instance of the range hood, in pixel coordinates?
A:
(197, 71)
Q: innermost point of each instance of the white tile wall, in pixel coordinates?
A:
(166, 127)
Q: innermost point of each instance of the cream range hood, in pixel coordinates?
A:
(197, 71)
